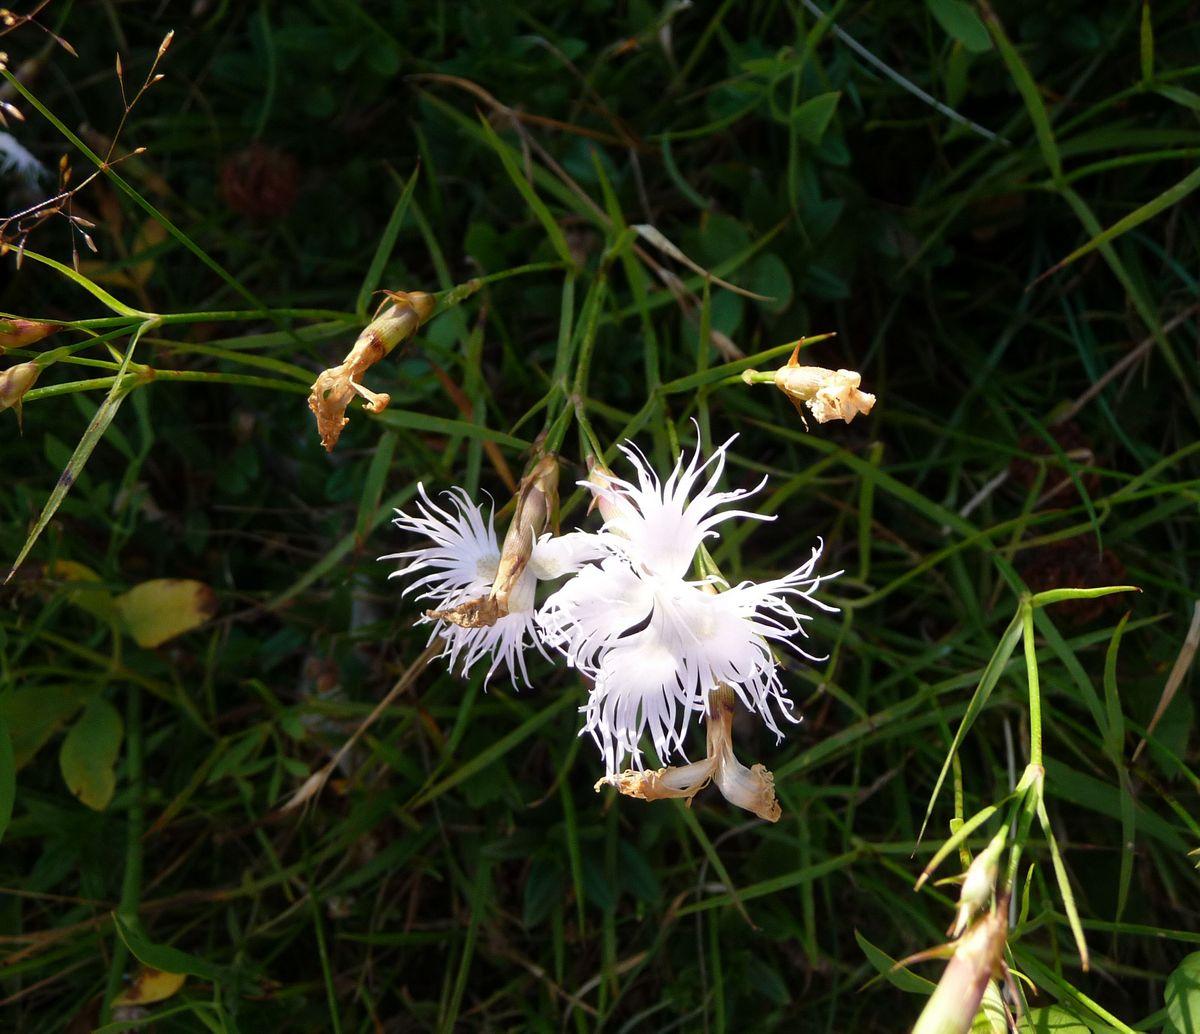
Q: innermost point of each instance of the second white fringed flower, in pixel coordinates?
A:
(459, 565)
(655, 643)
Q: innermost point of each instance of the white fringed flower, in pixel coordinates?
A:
(460, 565)
(656, 644)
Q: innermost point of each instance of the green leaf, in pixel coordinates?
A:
(1044, 599)
(637, 875)
(109, 302)
(1114, 734)
(82, 588)
(1029, 92)
(543, 890)
(963, 831)
(89, 754)
(991, 1018)
(811, 118)
(1053, 1019)
(8, 776)
(961, 23)
(164, 608)
(1182, 996)
(886, 966)
(536, 204)
(1146, 49)
(165, 958)
(35, 713)
(1064, 885)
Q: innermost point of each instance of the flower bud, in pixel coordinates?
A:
(335, 388)
(979, 883)
(605, 497)
(828, 394)
(17, 333)
(976, 962)
(14, 383)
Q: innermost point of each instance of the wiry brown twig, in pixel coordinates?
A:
(16, 228)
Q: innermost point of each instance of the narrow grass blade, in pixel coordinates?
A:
(965, 830)
(164, 957)
(8, 777)
(1169, 197)
(1114, 734)
(535, 203)
(794, 878)
(478, 891)
(134, 196)
(1044, 599)
(94, 289)
(121, 387)
(991, 675)
(1029, 91)
(496, 751)
(891, 970)
(1064, 886)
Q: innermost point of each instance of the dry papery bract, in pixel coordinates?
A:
(536, 501)
(750, 788)
(335, 388)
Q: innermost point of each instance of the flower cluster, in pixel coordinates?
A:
(643, 614)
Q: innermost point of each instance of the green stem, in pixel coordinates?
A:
(212, 377)
(1035, 691)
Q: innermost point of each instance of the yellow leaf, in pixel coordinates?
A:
(158, 610)
(95, 599)
(150, 985)
(89, 754)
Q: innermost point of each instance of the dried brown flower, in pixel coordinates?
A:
(536, 501)
(750, 788)
(336, 387)
(828, 394)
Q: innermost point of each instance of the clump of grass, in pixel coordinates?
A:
(618, 214)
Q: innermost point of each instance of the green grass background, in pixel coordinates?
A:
(459, 873)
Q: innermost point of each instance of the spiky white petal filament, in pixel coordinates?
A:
(459, 565)
(655, 643)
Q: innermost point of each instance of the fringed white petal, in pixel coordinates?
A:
(655, 523)
(457, 567)
(655, 643)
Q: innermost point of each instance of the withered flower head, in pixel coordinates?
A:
(536, 501)
(828, 394)
(336, 387)
(750, 788)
